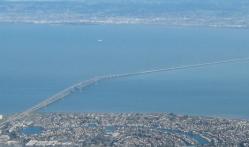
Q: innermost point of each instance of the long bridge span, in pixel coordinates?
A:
(84, 84)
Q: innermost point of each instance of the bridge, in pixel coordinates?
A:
(84, 84)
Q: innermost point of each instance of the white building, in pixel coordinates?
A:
(1, 117)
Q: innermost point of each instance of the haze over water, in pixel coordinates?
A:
(39, 60)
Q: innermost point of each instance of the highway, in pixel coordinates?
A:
(84, 84)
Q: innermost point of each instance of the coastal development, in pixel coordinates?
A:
(124, 129)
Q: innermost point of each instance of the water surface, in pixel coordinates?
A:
(36, 61)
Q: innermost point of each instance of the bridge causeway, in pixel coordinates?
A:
(84, 84)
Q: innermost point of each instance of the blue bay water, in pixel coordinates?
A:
(36, 61)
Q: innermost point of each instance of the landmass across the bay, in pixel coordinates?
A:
(164, 12)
